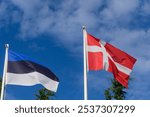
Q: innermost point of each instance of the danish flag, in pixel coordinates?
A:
(102, 55)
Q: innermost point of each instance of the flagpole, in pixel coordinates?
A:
(4, 71)
(85, 62)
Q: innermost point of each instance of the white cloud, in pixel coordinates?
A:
(47, 17)
(27, 6)
(123, 7)
(118, 12)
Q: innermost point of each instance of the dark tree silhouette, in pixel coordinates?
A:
(115, 91)
(44, 94)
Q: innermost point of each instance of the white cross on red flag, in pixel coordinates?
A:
(102, 55)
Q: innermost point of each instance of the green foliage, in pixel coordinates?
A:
(44, 94)
(107, 94)
(115, 91)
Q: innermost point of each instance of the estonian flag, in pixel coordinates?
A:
(24, 71)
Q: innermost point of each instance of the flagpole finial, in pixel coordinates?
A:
(6, 45)
(83, 27)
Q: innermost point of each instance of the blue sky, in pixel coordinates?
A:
(51, 32)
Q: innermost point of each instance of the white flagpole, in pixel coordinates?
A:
(85, 62)
(4, 71)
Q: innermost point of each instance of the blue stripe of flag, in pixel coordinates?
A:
(13, 56)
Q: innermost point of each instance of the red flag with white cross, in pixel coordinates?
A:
(102, 55)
